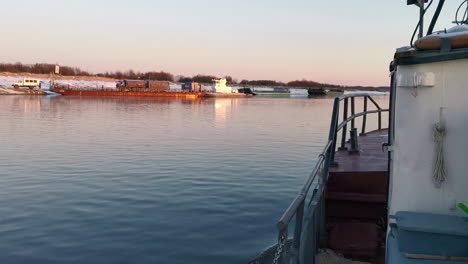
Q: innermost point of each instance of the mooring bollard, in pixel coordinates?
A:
(354, 141)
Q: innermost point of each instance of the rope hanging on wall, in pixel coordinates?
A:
(439, 175)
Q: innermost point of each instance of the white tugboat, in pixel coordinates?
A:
(428, 219)
(396, 195)
(222, 90)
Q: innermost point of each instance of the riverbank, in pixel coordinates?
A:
(7, 80)
(95, 82)
(57, 77)
(11, 91)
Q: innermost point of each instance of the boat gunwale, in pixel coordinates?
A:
(321, 169)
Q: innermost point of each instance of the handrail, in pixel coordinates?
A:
(289, 213)
(325, 160)
(351, 118)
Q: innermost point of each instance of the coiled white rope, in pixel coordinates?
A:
(439, 175)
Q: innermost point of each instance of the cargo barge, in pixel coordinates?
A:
(132, 88)
(179, 94)
(271, 91)
(230, 95)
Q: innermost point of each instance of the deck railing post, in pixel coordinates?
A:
(364, 117)
(283, 238)
(326, 164)
(379, 112)
(298, 227)
(345, 127)
(305, 254)
(353, 137)
(322, 233)
(314, 245)
(308, 251)
(333, 133)
(380, 120)
(333, 163)
(352, 112)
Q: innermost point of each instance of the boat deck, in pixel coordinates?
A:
(356, 199)
(371, 157)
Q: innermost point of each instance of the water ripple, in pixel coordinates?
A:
(119, 180)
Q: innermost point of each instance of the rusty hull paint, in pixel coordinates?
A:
(119, 93)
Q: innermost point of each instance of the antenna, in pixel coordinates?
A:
(415, 2)
(420, 4)
(464, 20)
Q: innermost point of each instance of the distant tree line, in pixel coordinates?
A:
(133, 75)
(41, 68)
(205, 79)
(45, 68)
(262, 83)
(297, 83)
(306, 84)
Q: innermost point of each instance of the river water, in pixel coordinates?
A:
(137, 180)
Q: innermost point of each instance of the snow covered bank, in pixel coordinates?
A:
(367, 92)
(8, 91)
(8, 81)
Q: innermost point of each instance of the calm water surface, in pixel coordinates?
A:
(114, 180)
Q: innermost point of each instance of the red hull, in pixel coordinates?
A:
(118, 93)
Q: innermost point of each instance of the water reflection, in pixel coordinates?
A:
(224, 107)
(151, 180)
(25, 103)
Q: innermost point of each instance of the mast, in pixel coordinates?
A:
(421, 18)
(420, 4)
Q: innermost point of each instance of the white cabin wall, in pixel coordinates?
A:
(414, 152)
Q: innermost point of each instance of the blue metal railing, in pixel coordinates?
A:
(310, 222)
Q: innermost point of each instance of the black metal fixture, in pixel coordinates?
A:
(354, 140)
(415, 2)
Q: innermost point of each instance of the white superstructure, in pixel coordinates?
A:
(427, 95)
(220, 86)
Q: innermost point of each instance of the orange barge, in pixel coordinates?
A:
(79, 92)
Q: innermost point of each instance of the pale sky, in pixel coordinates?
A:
(342, 42)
